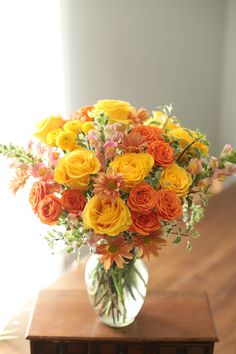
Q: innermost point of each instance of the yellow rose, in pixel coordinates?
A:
(66, 140)
(159, 120)
(86, 127)
(75, 168)
(118, 111)
(47, 125)
(52, 136)
(133, 166)
(72, 126)
(106, 217)
(177, 179)
(186, 137)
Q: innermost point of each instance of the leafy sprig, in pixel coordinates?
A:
(17, 152)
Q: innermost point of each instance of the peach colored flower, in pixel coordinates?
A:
(83, 114)
(134, 142)
(149, 245)
(21, 176)
(17, 182)
(195, 166)
(115, 251)
(108, 185)
(138, 116)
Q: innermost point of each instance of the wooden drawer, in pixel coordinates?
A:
(46, 347)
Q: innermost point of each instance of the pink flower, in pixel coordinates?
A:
(195, 166)
(112, 132)
(134, 142)
(37, 149)
(101, 157)
(94, 137)
(228, 170)
(93, 238)
(204, 183)
(108, 185)
(53, 158)
(226, 150)
(214, 163)
(73, 220)
(110, 149)
(41, 171)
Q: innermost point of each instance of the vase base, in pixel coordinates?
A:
(120, 324)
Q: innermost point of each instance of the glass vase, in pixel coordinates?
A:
(116, 295)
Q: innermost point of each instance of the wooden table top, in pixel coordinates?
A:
(165, 317)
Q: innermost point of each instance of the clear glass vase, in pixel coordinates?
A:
(117, 295)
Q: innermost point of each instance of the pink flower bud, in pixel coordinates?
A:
(195, 166)
(226, 150)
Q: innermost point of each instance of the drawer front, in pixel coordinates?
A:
(44, 347)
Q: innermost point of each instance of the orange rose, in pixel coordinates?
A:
(142, 198)
(37, 192)
(162, 153)
(144, 224)
(49, 209)
(150, 133)
(73, 201)
(168, 205)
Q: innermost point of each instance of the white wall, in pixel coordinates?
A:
(148, 52)
(227, 126)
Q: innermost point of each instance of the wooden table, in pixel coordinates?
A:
(209, 266)
(63, 322)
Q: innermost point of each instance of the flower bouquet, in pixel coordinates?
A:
(123, 182)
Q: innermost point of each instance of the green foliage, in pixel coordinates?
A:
(102, 119)
(229, 157)
(18, 153)
(108, 289)
(73, 236)
(154, 178)
(166, 109)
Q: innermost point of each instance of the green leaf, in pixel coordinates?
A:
(177, 240)
(195, 234)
